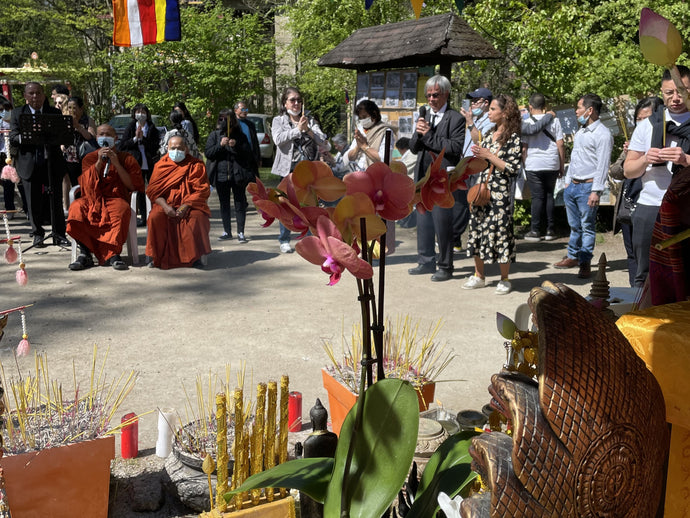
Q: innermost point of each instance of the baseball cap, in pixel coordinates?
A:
(484, 93)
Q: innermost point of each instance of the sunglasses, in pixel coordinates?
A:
(244, 109)
(295, 100)
(433, 96)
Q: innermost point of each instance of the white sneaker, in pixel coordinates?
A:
(503, 287)
(285, 248)
(474, 282)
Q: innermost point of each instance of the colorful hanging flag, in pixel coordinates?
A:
(144, 22)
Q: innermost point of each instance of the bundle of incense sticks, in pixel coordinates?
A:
(43, 415)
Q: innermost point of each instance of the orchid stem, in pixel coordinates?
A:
(378, 324)
(364, 297)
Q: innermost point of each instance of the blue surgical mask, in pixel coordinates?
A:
(477, 112)
(5, 115)
(176, 155)
(582, 119)
(105, 141)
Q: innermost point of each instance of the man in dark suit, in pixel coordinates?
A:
(440, 128)
(32, 168)
(249, 130)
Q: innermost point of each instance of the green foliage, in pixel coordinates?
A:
(222, 58)
(448, 470)
(565, 49)
(522, 213)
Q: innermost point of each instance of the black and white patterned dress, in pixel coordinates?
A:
(491, 227)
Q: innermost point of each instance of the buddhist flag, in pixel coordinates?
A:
(143, 22)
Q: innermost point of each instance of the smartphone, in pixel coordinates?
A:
(466, 104)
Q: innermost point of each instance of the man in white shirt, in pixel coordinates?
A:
(654, 154)
(585, 181)
(543, 155)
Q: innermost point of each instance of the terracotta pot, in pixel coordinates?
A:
(65, 481)
(341, 399)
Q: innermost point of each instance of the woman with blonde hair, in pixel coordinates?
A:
(491, 238)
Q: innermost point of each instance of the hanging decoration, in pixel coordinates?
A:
(144, 22)
(8, 172)
(10, 253)
(24, 346)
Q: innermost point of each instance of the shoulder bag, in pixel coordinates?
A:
(479, 195)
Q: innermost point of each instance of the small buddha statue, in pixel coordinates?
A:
(320, 443)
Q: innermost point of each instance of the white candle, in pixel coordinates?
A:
(166, 425)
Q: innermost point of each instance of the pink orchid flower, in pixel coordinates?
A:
(660, 41)
(350, 210)
(435, 187)
(391, 192)
(466, 167)
(314, 181)
(328, 250)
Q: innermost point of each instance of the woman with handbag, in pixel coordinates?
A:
(297, 137)
(229, 157)
(491, 238)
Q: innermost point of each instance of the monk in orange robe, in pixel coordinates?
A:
(99, 219)
(179, 224)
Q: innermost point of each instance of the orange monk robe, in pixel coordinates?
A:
(175, 242)
(100, 218)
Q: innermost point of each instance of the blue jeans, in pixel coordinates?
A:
(582, 220)
(284, 236)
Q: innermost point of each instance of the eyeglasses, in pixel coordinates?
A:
(434, 95)
(295, 100)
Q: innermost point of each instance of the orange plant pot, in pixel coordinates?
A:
(341, 399)
(61, 482)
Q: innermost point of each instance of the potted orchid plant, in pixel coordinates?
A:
(342, 239)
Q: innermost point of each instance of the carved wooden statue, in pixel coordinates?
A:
(589, 438)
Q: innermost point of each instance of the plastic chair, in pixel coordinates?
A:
(131, 242)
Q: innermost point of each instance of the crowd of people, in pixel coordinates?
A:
(169, 169)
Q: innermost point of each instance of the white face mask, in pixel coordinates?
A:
(141, 117)
(5, 115)
(105, 141)
(294, 113)
(176, 155)
(366, 123)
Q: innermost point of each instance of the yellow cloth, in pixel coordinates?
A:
(660, 336)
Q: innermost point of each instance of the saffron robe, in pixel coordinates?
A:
(99, 219)
(175, 242)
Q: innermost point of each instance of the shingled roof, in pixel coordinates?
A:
(441, 39)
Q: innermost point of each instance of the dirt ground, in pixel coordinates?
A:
(255, 307)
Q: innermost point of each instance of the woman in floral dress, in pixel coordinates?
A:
(491, 238)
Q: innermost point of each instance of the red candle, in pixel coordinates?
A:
(295, 412)
(129, 441)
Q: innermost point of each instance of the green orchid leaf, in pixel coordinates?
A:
(448, 470)
(506, 327)
(383, 451)
(311, 476)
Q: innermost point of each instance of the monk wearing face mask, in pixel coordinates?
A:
(179, 222)
(99, 219)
